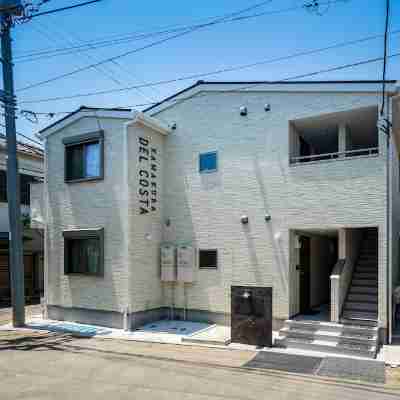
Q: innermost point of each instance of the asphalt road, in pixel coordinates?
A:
(58, 366)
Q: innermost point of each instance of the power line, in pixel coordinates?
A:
(385, 45)
(63, 8)
(211, 73)
(92, 45)
(110, 59)
(25, 137)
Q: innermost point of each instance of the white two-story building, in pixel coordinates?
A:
(285, 185)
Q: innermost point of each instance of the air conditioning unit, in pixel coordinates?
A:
(185, 264)
(168, 263)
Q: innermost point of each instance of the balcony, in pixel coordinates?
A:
(334, 137)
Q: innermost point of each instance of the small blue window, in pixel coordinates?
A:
(208, 162)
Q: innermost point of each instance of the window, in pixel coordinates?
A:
(208, 162)
(208, 259)
(24, 180)
(84, 252)
(84, 157)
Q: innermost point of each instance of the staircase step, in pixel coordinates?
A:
(363, 297)
(360, 306)
(365, 282)
(356, 289)
(327, 346)
(330, 336)
(366, 268)
(365, 275)
(365, 318)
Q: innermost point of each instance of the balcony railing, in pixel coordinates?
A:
(335, 156)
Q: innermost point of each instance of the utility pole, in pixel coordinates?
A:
(24, 12)
(13, 184)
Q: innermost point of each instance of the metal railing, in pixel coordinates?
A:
(334, 156)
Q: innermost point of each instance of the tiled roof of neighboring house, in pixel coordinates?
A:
(201, 82)
(25, 148)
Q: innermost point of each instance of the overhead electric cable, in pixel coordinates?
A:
(94, 44)
(215, 72)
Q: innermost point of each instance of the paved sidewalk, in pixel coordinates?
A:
(42, 365)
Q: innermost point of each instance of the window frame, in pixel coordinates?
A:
(216, 256)
(82, 140)
(208, 171)
(84, 234)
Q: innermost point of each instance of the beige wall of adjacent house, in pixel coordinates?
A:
(87, 205)
(254, 178)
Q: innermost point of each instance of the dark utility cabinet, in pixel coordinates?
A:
(251, 315)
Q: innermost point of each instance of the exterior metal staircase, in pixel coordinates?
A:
(361, 305)
(357, 332)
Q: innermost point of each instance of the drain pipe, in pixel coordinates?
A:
(184, 301)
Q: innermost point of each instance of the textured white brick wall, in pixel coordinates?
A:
(254, 178)
(87, 205)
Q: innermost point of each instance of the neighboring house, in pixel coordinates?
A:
(30, 161)
(280, 185)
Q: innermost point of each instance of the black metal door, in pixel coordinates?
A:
(251, 315)
(304, 270)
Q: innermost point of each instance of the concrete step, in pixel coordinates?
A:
(366, 268)
(361, 306)
(330, 336)
(365, 275)
(327, 346)
(363, 297)
(363, 289)
(365, 282)
(363, 318)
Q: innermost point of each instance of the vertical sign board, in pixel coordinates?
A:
(148, 170)
(251, 315)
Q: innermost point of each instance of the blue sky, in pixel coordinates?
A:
(205, 50)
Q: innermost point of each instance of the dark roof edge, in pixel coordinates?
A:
(82, 108)
(202, 82)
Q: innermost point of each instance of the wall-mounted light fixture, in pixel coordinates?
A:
(167, 222)
(244, 219)
(267, 218)
(243, 110)
(173, 126)
(148, 236)
(267, 107)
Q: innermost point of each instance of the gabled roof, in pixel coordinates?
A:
(82, 111)
(201, 85)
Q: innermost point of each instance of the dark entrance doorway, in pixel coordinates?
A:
(251, 313)
(304, 271)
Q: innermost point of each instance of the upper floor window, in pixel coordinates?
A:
(208, 162)
(84, 158)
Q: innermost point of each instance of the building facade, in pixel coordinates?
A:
(31, 168)
(281, 185)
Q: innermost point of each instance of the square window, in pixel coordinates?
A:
(208, 259)
(208, 162)
(84, 157)
(84, 252)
